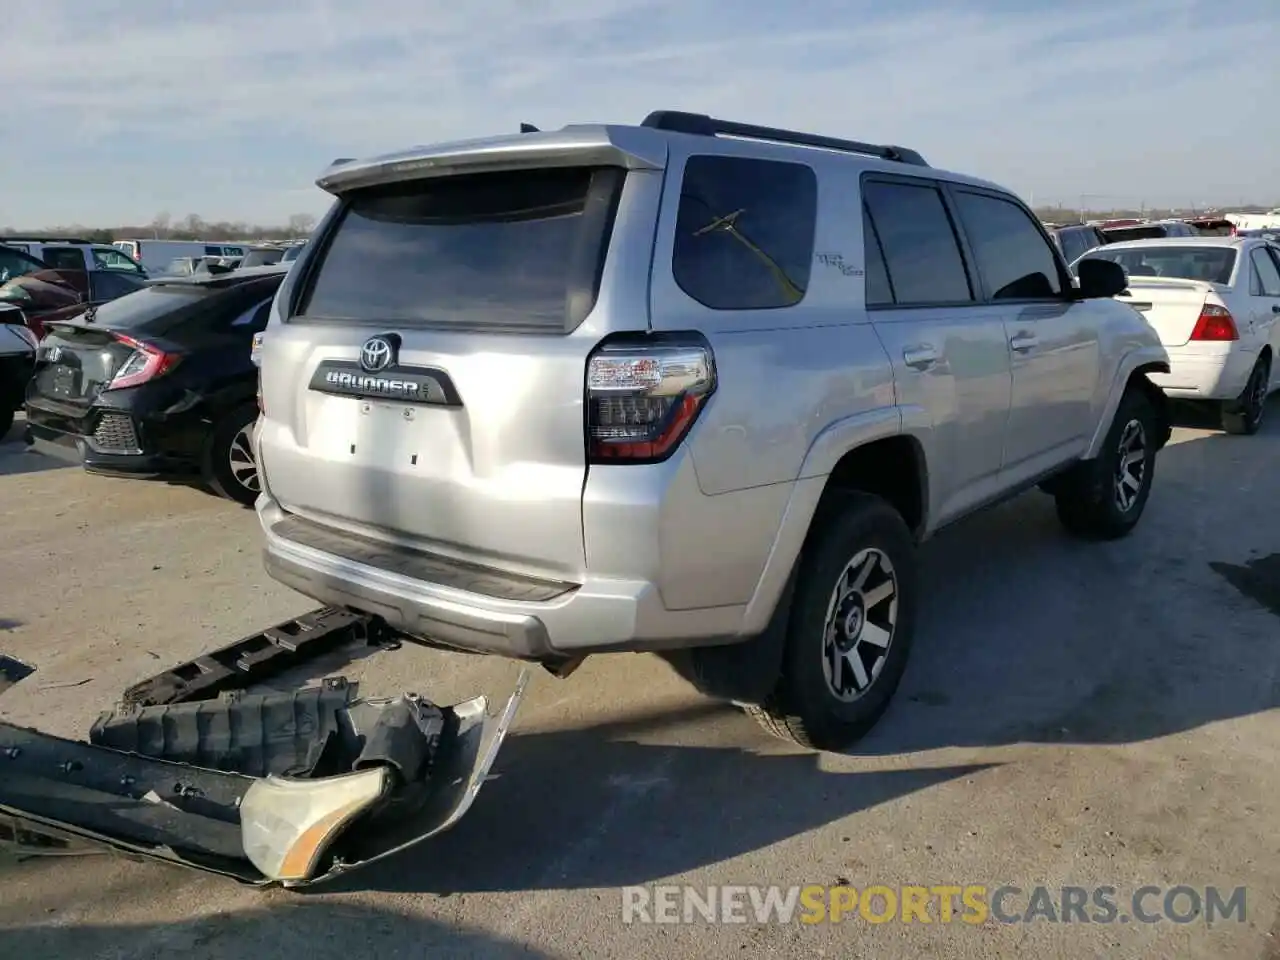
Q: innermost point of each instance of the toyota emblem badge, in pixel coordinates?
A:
(376, 354)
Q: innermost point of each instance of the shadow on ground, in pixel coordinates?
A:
(16, 459)
(596, 807)
(317, 930)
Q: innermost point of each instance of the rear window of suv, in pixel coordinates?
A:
(510, 250)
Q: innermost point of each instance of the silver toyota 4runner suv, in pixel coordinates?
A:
(694, 387)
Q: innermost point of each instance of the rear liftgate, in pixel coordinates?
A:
(291, 787)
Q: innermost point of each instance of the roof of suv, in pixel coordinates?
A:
(642, 146)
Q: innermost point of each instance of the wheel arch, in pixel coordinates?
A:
(869, 453)
(1134, 370)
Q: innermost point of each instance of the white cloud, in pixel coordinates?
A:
(230, 109)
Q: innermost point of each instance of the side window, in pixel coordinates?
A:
(63, 258)
(1012, 256)
(919, 244)
(1268, 275)
(14, 263)
(744, 232)
(1073, 245)
(879, 289)
(106, 259)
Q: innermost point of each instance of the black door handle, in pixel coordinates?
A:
(1275, 308)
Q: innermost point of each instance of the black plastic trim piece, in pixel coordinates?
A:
(420, 565)
(699, 124)
(256, 657)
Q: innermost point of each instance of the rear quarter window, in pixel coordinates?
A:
(745, 232)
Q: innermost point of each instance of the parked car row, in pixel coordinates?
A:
(157, 383)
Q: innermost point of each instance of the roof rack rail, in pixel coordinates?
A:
(702, 125)
(28, 238)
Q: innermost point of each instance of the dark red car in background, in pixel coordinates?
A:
(45, 295)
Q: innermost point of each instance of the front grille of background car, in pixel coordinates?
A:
(115, 433)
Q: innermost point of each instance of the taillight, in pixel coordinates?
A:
(642, 399)
(143, 365)
(1215, 323)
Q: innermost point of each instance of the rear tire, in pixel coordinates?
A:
(850, 629)
(6, 423)
(1243, 416)
(1104, 498)
(230, 463)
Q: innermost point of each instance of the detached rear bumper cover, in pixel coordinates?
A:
(55, 793)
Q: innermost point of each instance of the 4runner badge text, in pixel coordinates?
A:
(425, 385)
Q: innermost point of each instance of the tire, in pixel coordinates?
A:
(231, 442)
(862, 543)
(1097, 502)
(6, 422)
(1243, 417)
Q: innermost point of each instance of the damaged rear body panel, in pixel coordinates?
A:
(291, 787)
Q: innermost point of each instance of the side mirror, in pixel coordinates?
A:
(1100, 278)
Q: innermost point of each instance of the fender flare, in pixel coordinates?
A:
(1151, 358)
(830, 444)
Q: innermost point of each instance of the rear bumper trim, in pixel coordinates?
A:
(597, 616)
(420, 565)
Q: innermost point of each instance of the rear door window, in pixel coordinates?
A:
(511, 250)
(879, 289)
(1268, 284)
(1013, 257)
(921, 252)
(15, 263)
(63, 258)
(745, 232)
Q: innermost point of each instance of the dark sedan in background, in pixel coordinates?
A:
(158, 383)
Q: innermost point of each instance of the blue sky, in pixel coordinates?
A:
(120, 109)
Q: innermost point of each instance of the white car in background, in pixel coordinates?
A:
(1215, 302)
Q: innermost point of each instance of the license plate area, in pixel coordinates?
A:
(66, 381)
(385, 435)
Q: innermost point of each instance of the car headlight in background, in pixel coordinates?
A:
(286, 825)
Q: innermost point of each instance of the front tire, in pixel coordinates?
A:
(851, 626)
(231, 465)
(1104, 498)
(1243, 417)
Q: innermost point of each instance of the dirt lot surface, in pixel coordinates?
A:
(1073, 715)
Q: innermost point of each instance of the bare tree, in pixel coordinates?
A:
(160, 225)
(301, 224)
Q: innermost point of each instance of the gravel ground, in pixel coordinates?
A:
(1073, 715)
